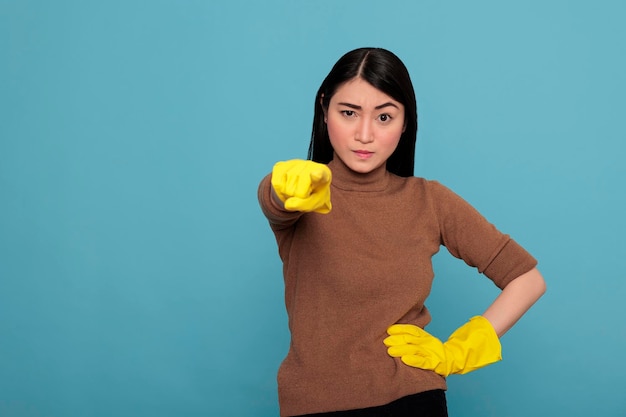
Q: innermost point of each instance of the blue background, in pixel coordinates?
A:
(137, 274)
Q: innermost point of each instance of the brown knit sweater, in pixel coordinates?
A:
(366, 265)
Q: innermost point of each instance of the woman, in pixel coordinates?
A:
(356, 232)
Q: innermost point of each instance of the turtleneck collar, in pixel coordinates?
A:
(349, 180)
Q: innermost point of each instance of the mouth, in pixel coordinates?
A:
(363, 154)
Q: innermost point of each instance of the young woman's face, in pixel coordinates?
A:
(364, 125)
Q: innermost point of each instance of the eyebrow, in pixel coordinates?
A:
(355, 107)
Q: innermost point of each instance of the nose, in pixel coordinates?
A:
(364, 132)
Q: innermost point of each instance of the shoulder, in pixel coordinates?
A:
(441, 199)
(430, 187)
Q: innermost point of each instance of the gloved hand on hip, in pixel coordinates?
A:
(472, 346)
(302, 185)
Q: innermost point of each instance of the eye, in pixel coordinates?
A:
(384, 118)
(348, 113)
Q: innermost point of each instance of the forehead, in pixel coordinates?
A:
(360, 92)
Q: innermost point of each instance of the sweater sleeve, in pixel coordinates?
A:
(278, 217)
(469, 236)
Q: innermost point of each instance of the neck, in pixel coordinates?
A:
(347, 179)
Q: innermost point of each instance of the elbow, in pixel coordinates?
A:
(541, 289)
(538, 283)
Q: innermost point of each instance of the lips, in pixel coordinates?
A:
(363, 154)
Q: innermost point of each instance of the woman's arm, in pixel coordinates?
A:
(515, 300)
(474, 344)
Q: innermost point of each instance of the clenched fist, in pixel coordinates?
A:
(302, 185)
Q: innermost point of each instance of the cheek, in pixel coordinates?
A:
(393, 138)
(335, 130)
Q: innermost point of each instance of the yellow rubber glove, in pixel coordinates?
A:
(470, 347)
(302, 185)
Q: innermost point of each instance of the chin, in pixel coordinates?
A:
(364, 169)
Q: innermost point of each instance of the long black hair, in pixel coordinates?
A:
(384, 71)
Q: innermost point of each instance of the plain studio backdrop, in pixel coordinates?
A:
(138, 276)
